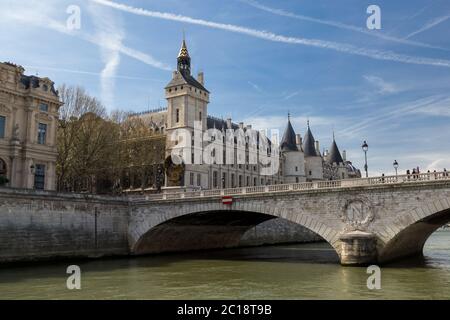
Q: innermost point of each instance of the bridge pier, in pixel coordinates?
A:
(358, 248)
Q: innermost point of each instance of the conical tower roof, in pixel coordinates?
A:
(309, 144)
(335, 155)
(289, 142)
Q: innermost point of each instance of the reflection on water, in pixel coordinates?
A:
(309, 271)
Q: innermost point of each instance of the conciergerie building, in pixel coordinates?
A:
(300, 159)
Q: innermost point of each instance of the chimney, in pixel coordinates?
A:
(201, 78)
(241, 125)
(229, 124)
(298, 139)
(344, 155)
(317, 146)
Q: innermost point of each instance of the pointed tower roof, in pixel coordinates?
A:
(334, 156)
(309, 144)
(184, 53)
(289, 143)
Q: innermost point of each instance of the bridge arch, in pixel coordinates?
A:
(161, 230)
(411, 230)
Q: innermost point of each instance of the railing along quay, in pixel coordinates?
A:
(332, 184)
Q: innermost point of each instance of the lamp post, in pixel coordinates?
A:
(395, 164)
(365, 147)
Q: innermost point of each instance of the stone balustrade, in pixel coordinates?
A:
(333, 184)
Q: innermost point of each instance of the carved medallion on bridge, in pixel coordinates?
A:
(357, 215)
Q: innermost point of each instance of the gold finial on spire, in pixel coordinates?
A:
(183, 51)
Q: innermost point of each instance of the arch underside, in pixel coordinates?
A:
(411, 240)
(201, 231)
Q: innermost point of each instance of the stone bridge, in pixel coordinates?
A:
(373, 220)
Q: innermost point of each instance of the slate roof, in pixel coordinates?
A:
(334, 156)
(289, 141)
(309, 145)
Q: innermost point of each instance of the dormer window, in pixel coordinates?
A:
(43, 107)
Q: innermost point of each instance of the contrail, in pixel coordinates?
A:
(91, 73)
(336, 24)
(429, 25)
(47, 22)
(336, 46)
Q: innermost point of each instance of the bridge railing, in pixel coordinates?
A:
(333, 184)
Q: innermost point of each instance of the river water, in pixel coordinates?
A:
(307, 271)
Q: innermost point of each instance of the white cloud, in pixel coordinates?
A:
(255, 86)
(336, 46)
(40, 14)
(279, 122)
(439, 108)
(383, 115)
(382, 86)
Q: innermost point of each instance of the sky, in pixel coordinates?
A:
(262, 59)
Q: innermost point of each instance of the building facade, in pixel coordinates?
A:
(187, 109)
(28, 125)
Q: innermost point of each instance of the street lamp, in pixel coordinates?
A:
(365, 147)
(395, 164)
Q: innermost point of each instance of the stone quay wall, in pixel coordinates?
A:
(45, 225)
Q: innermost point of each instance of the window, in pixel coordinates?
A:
(2, 168)
(39, 177)
(43, 107)
(42, 133)
(178, 116)
(254, 182)
(224, 180)
(296, 179)
(296, 169)
(199, 179)
(200, 116)
(248, 182)
(2, 127)
(310, 173)
(191, 179)
(240, 181)
(215, 179)
(232, 180)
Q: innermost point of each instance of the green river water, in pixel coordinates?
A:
(306, 271)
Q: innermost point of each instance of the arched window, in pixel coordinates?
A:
(3, 173)
(2, 168)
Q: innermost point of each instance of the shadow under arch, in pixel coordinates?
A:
(411, 240)
(217, 229)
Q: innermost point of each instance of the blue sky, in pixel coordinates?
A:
(262, 59)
